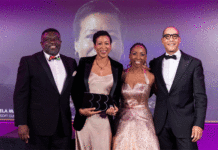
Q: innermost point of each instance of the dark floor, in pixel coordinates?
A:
(17, 144)
(10, 141)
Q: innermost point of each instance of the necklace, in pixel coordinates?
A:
(100, 66)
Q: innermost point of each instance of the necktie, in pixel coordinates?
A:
(54, 58)
(168, 57)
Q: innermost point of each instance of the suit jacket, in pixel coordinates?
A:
(37, 101)
(81, 85)
(186, 102)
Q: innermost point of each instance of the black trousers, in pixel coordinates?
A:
(58, 141)
(168, 141)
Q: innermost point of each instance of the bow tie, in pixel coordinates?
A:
(168, 57)
(54, 58)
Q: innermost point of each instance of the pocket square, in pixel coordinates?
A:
(74, 73)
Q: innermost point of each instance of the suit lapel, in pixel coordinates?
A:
(183, 64)
(47, 69)
(88, 67)
(160, 74)
(67, 68)
(115, 76)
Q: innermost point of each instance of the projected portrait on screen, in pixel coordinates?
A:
(94, 16)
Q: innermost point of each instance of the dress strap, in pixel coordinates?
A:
(146, 78)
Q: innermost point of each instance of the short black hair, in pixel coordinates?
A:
(169, 27)
(101, 33)
(140, 44)
(95, 6)
(50, 30)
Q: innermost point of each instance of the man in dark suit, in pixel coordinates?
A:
(41, 96)
(181, 99)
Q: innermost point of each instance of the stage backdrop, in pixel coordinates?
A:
(128, 22)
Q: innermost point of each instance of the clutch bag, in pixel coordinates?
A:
(99, 101)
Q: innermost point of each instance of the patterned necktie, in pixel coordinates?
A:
(54, 58)
(168, 57)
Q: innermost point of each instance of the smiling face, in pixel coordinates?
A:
(138, 56)
(172, 44)
(51, 43)
(93, 23)
(103, 46)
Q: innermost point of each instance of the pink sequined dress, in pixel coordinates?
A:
(135, 127)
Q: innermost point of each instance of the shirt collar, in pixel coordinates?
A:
(178, 54)
(47, 55)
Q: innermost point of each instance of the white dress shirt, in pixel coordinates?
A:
(58, 71)
(169, 68)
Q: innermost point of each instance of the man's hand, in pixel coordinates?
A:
(23, 132)
(88, 111)
(196, 133)
(112, 111)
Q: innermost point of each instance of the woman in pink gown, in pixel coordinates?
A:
(135, 128)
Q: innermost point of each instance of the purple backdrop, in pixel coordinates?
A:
(22, 23)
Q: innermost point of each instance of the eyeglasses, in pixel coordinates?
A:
(174, 36)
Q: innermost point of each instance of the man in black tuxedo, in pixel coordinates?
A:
(42, 93)
(181, 99)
